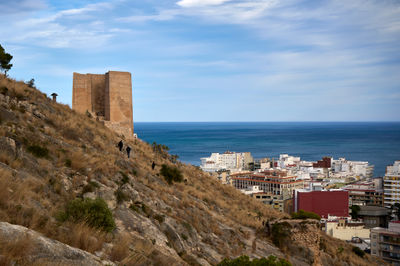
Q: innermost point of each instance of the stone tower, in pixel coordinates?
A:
(108, 97)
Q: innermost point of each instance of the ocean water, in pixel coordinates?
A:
(375, 142)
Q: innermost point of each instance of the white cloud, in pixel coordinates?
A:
(86, 9)
(70, 28)
(212, 11)
(200, 3)
(163, 15)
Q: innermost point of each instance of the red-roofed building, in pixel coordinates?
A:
(324, 163)
(324, 203)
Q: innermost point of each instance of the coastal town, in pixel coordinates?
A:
(353, 205)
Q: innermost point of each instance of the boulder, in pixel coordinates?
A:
(9, 146)
(40, 250)
(6, 115)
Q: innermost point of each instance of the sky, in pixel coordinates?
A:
(217, 60)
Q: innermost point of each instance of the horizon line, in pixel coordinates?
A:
(336, 121)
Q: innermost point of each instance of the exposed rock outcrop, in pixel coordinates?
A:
(35, 249)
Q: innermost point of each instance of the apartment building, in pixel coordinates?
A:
(276, 185)
(385, 243)
(226, 161)
(275, 182)
(391, 184)
(364, 193)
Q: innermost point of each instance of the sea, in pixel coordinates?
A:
(375, 142)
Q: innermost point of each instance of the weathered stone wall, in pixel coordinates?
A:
(98, 84)
(108, 96)
(81, 94)
(119, 91)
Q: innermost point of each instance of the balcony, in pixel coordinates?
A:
(390, 248)
(390, 256)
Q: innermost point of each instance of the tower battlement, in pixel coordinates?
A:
(108, 97)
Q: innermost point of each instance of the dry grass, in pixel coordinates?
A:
(5, 158)
(6, 187)
(15, 251)
(343, 252)
(83, 237)
(120, 250)
(78, 161)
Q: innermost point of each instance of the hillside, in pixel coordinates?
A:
(51, 157)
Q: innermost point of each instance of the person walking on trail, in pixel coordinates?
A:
(153, 165)
(120, 145)
(128, 151)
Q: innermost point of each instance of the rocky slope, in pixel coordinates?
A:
(50, 155)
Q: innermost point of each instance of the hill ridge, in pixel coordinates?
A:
(52, 157)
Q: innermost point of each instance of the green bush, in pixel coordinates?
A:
(301, 214)
(280, 233)
(90, 187)
(120, 195)
(358, 251)
(245, 261)
(134, 208)
(171, 174)
(125, 178)
(94, 212)
(142, 208)
(160, 218)
(184, 237)
(3, 90)
(38, 151)
(68, 162)
(147, 210)
(340, 249)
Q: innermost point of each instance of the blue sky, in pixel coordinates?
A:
(218, 60)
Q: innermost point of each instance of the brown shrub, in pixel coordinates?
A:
(15, 250)
(5, 184)
(78, 161)
(83, 237)
(120, 250)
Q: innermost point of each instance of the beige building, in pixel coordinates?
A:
(277, 187)
(344, 230)
(107, 97)
(282, 203)
(275, 182)
(385, 243)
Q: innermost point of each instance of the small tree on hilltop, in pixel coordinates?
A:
(5, 59)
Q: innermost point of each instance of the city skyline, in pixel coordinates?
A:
(218, 60)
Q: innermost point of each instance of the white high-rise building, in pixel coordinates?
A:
(357, 168)
(391, 184)
(227, 160)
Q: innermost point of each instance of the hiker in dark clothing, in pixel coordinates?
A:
(128, 150)
(120, 145)
(153, 165)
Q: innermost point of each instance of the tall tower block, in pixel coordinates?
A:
(108, 97)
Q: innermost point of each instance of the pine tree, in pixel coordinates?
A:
(5, 59)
